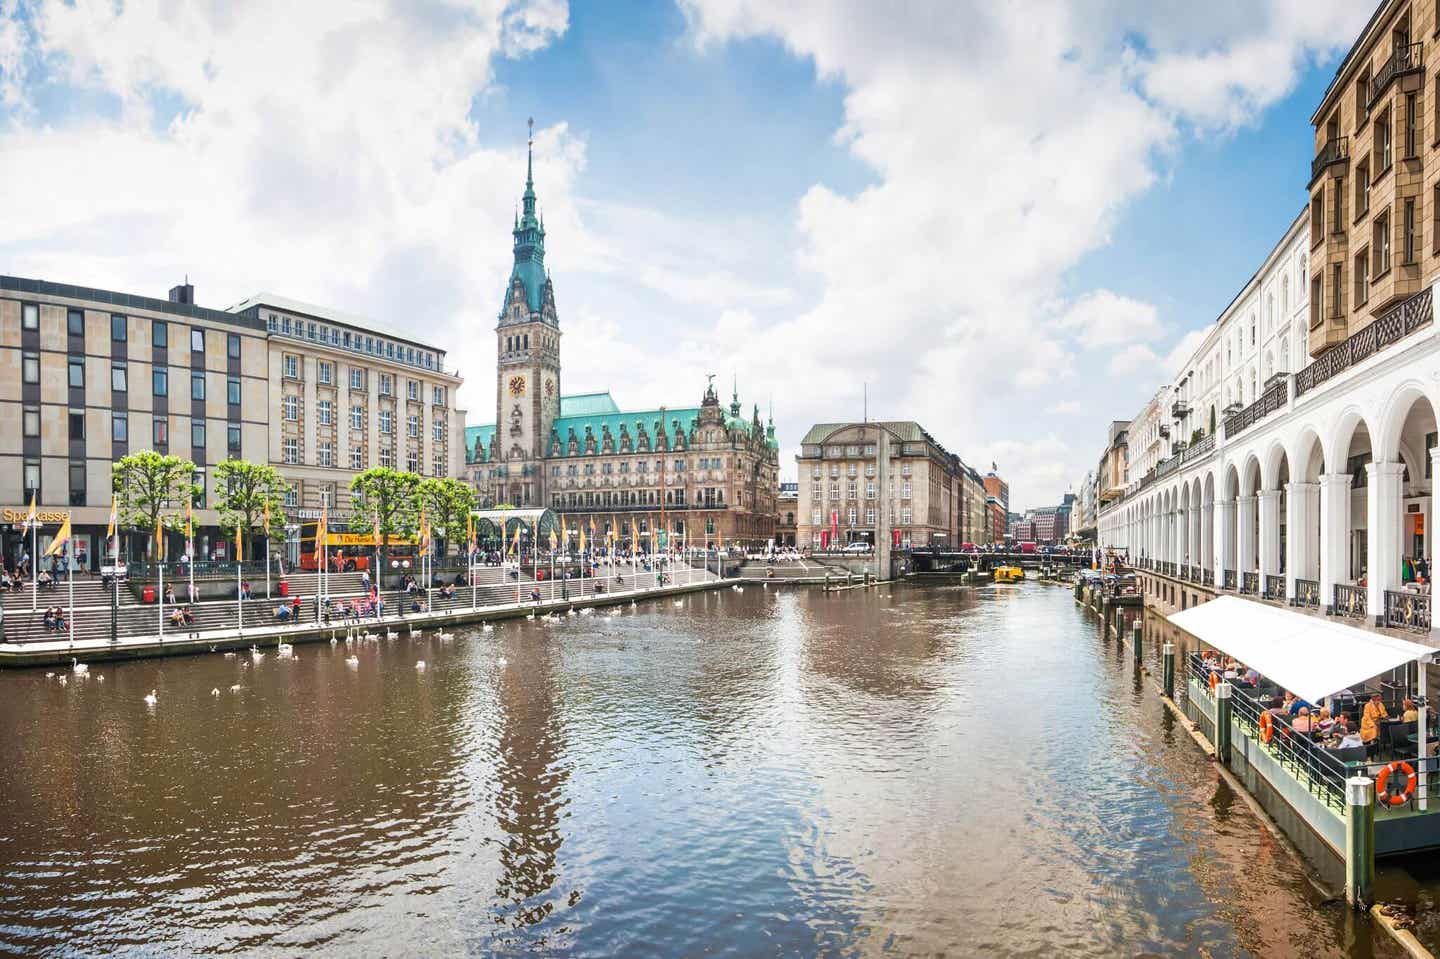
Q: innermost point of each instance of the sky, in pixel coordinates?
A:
(1005, 221)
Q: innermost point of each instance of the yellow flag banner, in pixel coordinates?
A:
(30, 515)
(377, 529)
(61, 538)
(582, 539)
(114, 516)
(239, 543)
(553, 541)
(159, 539)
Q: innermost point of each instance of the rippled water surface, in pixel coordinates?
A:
(916, 771)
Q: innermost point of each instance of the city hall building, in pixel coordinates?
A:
(702, 471)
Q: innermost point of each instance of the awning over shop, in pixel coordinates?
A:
(1310, 656)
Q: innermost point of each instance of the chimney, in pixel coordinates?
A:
(184, 293)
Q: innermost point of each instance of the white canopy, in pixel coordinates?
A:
(1310, 656)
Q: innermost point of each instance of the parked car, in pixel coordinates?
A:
(858, 548)
(1027, 547)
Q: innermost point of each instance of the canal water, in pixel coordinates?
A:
(908, 771)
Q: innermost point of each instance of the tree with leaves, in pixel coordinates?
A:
(388, 497)
(147, 484)
(244, 492)
(447, 502)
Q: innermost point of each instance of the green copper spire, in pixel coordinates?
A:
(529, 236)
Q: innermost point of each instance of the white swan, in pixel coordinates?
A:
(487, 628)
(420, 664)
(215, 691)
(531, 616)
(352, 660)
(63, 680)
(79, 668)
(150, 700)
(49, 675)
(235, 688)
(285, 650)
(100, 678)
(445, 637)
(230, 655)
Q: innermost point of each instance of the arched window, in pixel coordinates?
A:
(1285, 297)
(1269, 312)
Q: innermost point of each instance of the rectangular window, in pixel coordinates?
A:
(197, 340)
(387, 421)
(357, 379)
(77, 374)
(1316, 298)
(325, 412)
(75, 323)
(412, 462)
(386, 385)
(232, 390)
(323, 372)
(1362, 188)
(77, 484)
(387, 457)
(440, 470)
(162, 433)
(197, 479)
(1362, 98)
(437, 395)
(160, 381)
(32, 422)
(232, 345)
(1362, 277)
(119, 427)
(30, 368)
(232, 440)
(1337, 289)
(325, 456)
(118, 331)
(292, 367)
(1384, 145)
(197, 386)
(357, 417)
(161, 333)
(1337, 218)
(31, 479)
(1317, 216)
(291, 406)
(438, 430)
(118, 379)
(1380, 246)
(905, 517)
(1412, 224)
(1412, 125)
(197, 436)
(290, 451)
(292, 497)
(412, 390)
(77, 426)
(412, 426)
(30, 317)
(357, 459)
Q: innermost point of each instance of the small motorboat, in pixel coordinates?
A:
(1009, 574)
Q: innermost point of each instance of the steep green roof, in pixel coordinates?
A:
(481, 435)
(632, 420)
(588, 404)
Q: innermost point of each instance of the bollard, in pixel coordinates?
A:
(1223, 708)
(1139, 642)
(1167, 651)
(1359, 840)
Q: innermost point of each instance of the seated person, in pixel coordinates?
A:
(1324, 720)
(1252, 677)
(59, 620)
(282, 613)
(534, 595)
(49, 620)
(449, 591)
(1302, 723)
(187, 616)
(46, 581)
(1344, 738)
(177, 617)
(245, 590)
(416, 606)
(1409, 713)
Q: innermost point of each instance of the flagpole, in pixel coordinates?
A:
(115, 580)
(70, 568)
(34, 560)
(160, 594)
(239, 598)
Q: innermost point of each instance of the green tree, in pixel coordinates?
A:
(245, 490)
(447, 501)
(388, 497)
(147, 484)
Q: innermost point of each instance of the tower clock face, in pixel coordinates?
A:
(517, 386)
(549, 387)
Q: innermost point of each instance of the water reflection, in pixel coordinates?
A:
(773, 772)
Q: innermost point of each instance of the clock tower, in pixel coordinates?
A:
(527, 374)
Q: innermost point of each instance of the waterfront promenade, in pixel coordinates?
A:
(224, 624)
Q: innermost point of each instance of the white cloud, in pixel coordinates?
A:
(1102, 319)
(1064, 408)
(1006, 140)
(1133, 359)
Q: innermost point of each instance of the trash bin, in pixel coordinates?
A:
(148, 596)
(284, 588)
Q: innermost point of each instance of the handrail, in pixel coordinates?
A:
(1350, 601)
(1275, 588)
(1271, 400)
(1336, 150)
(1307, 593)
(1407, 610)
(1403, 59)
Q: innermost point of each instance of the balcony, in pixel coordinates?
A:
(1269, 401)
(1395, 324)
(1336, 151)
(1179, 409)
(1408, 58)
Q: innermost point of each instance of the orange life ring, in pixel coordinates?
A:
(1214, 680)
(1267, 726)
(1383, 796)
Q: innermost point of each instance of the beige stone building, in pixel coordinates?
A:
(851, 492)
(88, 376)
(347, 395)
(1375, 178)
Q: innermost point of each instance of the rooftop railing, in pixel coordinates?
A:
(1395, 324)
